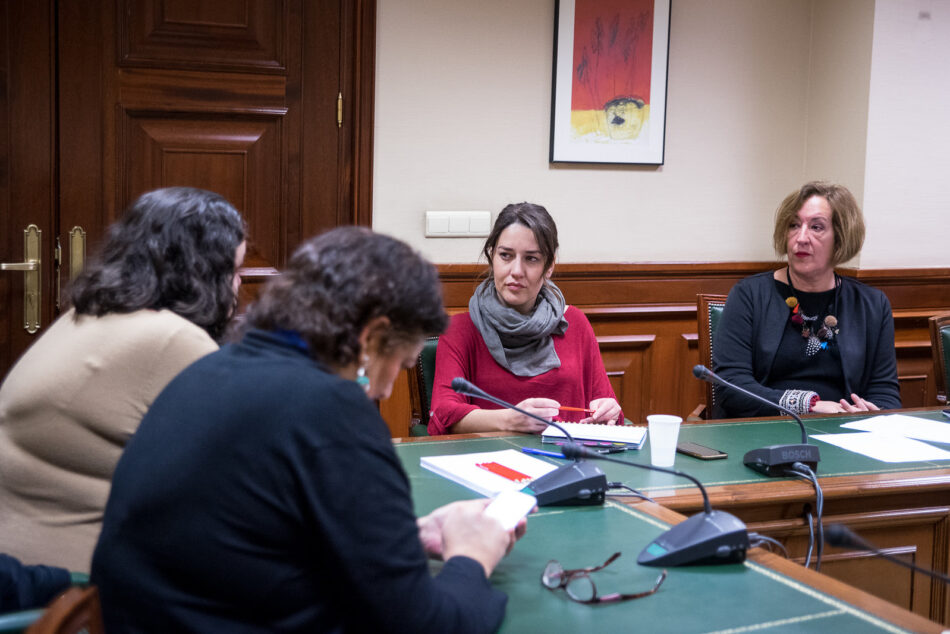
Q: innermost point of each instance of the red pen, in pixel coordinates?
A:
(576, 409)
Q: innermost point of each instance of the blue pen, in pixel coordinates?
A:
(540, 452)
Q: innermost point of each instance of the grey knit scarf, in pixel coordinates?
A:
(521, 344)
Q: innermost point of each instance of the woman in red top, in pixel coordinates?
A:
(520, 341)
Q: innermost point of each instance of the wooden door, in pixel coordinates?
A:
(27, 169)
(268, 102)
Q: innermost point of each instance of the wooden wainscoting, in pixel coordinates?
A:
(918, 536)
(644, 316)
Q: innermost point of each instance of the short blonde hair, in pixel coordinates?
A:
(846, 219)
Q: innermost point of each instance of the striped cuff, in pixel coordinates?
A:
(798, 401)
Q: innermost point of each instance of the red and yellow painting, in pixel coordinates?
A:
(611, 78)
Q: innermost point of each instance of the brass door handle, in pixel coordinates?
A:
(20, 266)
(77, 251)
(32, 270)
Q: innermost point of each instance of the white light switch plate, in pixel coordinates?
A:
(457, 224)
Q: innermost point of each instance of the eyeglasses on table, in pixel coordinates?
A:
(580, 587)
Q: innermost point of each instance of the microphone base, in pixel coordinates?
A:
(716, 537)
(775, 460)
(576, 484)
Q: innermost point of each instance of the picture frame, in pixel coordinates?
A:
(608, 95)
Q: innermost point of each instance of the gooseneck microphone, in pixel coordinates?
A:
(774, 460)
(843, 537)
(710, 537)
(577, 483)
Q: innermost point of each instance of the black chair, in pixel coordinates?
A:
(940, 351)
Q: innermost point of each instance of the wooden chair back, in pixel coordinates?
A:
(75, 611)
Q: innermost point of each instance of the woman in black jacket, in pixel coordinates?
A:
(802, 335)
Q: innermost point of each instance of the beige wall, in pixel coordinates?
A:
(762, 95)
(837, 104)
(908, 165)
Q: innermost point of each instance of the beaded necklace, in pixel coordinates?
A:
(817, 333)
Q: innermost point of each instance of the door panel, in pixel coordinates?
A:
(238, 159)
(26, 163)
(246, 35)
(103, 100)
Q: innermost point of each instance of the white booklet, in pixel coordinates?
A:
(627, 434)
(489, 472)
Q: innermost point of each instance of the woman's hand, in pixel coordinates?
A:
(860, 405)
(606, 410)
(842, 406)
(479, 420)
(462, 528)
(430, 529)
(826, 407)
(544, 407)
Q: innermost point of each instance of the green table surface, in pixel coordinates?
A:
(735, 439)
(733, 598)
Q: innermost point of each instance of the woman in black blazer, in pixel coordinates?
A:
(802, 335)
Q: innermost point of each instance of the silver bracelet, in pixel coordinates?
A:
(798, 401)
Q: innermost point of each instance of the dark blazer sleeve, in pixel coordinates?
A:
(741, 348)
(25, 587)
(868, 354)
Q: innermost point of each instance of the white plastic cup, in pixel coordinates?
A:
(664, 430)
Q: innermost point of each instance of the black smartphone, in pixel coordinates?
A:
(699, 451)
(946, 413)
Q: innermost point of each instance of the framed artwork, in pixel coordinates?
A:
(608, 101)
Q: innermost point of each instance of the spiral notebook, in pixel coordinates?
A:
(630, 435)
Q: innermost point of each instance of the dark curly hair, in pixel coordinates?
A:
(173, 248)
(339, 281)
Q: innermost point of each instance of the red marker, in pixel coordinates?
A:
(503, 471)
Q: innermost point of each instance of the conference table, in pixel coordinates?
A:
(904, 508)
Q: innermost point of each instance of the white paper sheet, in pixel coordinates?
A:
(885, 447)
(903, 425)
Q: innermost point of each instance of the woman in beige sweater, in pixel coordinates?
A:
(157, 298)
